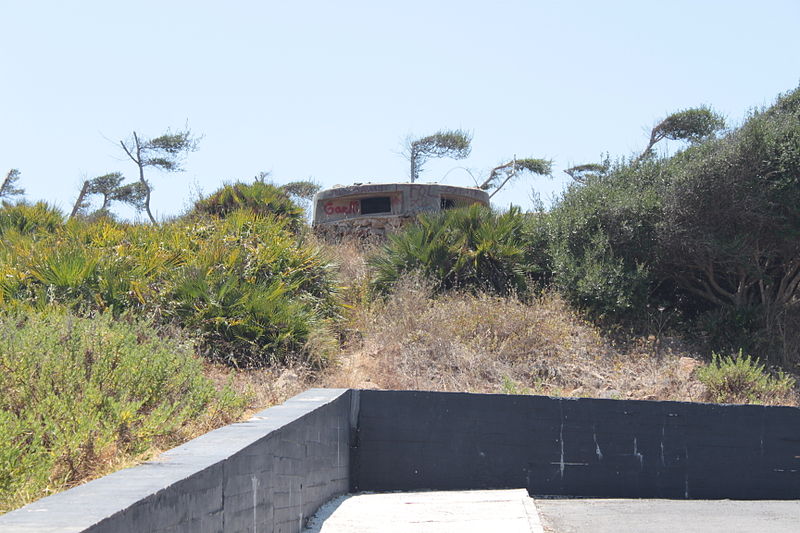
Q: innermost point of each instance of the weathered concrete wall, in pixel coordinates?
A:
(339, 212)
(362, 227)
(267, 474)
(578, 447)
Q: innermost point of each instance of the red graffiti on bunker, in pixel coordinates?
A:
(352, 208)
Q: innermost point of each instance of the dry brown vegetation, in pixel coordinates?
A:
(483, 343)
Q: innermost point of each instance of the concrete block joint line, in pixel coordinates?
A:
(272, 472)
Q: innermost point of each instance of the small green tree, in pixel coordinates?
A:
(110, 187)
(106, 186)
(588, 171)
(9, 187)
(304, 190)
(301, 192)
(692, 125)
(502, 174)
(165, 153)
(445, 143)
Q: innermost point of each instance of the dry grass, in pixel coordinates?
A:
(478, 343)
(263, 387)
(482, 343)
(488, 344)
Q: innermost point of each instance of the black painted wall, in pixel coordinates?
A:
(273, 471)
(406, 440)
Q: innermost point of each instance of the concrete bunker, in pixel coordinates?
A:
(372, 210)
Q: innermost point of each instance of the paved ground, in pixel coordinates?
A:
(668, 516)
(479, 511)
(512, 511)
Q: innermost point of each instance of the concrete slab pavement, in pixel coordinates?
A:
(478, 511)
(668, 516)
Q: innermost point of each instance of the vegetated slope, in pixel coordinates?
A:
(248, 289)
(83, 396)
(637, 275)
(467, 341)
(104, 325)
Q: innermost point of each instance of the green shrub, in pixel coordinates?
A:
(243, 285)
(29, 218)
(730, 235)
(602, 241)
(259, 197)
(536, 244)
(740, 379)
(77, 393)
(473, 248)
(255, 293)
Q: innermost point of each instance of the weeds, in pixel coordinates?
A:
(80, 394)
(486, 343)
(740, 379)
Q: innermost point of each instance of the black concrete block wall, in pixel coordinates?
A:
(272, 472)
(408, 440)
(268, 474)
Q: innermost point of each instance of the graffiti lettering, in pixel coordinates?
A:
(352, 208)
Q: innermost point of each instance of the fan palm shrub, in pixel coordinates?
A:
(244, 285)
(259, 197)
(29, 218)
(473, 248)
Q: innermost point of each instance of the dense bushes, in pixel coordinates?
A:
(29, 218)
(602, 239)
(78, 395)
(712, 233)
(731, 230)
(243, 285)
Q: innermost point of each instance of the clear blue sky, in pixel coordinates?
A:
(328, 90)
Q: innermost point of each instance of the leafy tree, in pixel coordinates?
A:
(588, 172)
(133, 194)
(165, 153)
(9, 187)
(106, 186)
(304, 190)
(444, 143)
(731, 228)
(502, 174)
(692, 125)
(110, 187)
